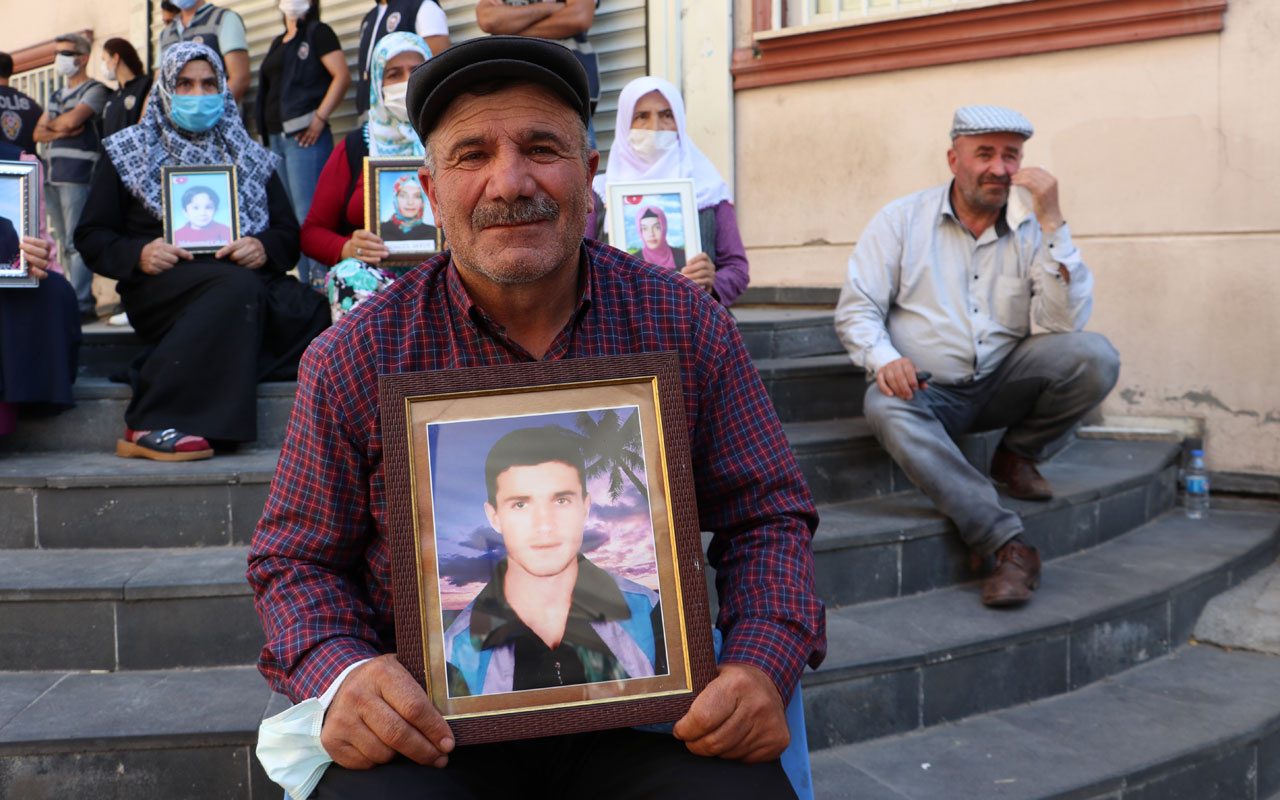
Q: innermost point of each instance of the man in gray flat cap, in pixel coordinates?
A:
(937, 306)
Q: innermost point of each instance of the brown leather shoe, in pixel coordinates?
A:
(1016, 575)
(1019, 476)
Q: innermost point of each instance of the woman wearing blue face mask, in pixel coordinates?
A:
(215, 324)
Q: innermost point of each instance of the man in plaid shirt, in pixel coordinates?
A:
(508, 175)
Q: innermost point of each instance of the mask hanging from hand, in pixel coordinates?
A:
(65, 65)
(652, 145)
(394, 100)
(195, 112)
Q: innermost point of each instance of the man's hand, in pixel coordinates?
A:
(1044, 196)
(365, 246)
(739, 715)
(37, 253)
(245, 251)
(898, 379)
(379, 711)
(700, 270)
(159, 256)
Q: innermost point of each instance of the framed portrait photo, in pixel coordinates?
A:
(201, 207)
(547, 571)
(19, 216)
(655, 221)
(396, 210)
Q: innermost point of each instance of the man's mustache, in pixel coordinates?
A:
(521, 211)
(1003, 180)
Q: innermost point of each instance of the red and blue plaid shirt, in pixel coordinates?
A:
(319, 563)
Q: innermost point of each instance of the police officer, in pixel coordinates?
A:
(120, 63)
(18, 113)
(423, 17)
(72, 127)
(219, 29)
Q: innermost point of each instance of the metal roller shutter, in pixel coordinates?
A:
(617, 34)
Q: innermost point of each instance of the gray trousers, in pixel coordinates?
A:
(64, 203)
(1038, 393)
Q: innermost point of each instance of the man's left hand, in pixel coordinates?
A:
(245, 251)
(700, 270)
(1044, 196)
(739, 715)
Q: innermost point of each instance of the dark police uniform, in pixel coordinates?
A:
(124, 108)
(205, 26)
(18, 117)
(293, 80)
(401, 15)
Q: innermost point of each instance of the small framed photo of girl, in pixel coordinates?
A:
(396, 210)
(655, 221)
(201, 207)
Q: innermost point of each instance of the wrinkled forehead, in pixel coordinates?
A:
(517, 109)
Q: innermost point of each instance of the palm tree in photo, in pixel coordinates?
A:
(612, 445)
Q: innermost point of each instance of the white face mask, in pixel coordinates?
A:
(65, 65)
(107, 71)
(652, 145)
(295, 8)
(393, 100)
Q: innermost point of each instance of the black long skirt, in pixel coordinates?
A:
(39, 345)
(215, 329)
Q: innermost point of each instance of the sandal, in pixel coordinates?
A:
(163, 445)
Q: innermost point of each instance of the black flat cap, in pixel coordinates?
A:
(436, 83)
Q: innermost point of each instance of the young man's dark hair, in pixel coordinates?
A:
(6, 65)
(526, 447)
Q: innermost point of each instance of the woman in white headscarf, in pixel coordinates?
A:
(333, 232)
(215, 324)
(651, 143)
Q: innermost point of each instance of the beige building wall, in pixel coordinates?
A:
(1168, 157)
(30, 23)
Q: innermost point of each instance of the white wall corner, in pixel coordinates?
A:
(707, 85)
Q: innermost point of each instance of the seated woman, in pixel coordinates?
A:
(39, 328)
(200, 203)
(657, 147)
(333, 232)
(215, 324)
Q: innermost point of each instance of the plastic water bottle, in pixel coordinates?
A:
(1197, 500)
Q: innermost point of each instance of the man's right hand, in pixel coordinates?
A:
(381, 711)
(159, 256)
(898, 379)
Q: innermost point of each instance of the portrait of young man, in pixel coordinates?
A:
(549, 616)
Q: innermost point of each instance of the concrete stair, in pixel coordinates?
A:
(132, 633)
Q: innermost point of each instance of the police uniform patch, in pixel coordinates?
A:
(129, 102)
(11, 124)
(304, 50)
(198, 39)
(393, 19)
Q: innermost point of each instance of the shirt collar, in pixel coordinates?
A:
(596, 598)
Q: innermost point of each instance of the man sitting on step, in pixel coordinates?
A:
(508, 174)
(937, 306)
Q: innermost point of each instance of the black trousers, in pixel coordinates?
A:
(606, 765)
(216, 329)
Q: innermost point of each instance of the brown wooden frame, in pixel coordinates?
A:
(418, 622)
(1035, 26)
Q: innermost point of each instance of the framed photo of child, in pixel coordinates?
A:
(396, 210)
(655, 221)
(19, 208)
(546, 559)
(201, 206)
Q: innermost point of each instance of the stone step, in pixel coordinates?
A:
(787, 333)
(146, 735)
(913, 662)
(812, 389)
(97, 421)
(67, 500)
(127, 609)
(900, 544)
(107, 349)
(1198, 724)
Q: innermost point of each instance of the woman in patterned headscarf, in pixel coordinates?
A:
(333, 232)
(215, 324)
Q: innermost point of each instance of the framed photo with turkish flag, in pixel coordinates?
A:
(655, 221)
(546, 560)
(201, 206)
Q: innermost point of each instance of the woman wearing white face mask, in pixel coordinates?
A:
(302, 80)
(120, 63)
(657, 147)
(332, 232)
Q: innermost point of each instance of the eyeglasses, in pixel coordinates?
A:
(67, 52)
